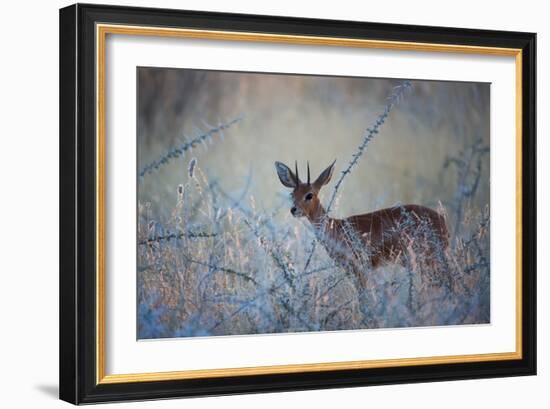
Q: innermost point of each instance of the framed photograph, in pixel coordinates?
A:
(257, 203)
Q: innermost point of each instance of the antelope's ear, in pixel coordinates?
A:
(286, 176)
(325, 176)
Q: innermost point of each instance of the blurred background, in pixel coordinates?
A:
(315, 118)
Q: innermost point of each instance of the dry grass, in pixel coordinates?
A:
(219, 269)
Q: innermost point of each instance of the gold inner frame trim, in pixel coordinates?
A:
(101, 33)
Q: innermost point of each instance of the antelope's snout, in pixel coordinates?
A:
(296, 212)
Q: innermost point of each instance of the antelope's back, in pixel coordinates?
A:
(379, 222)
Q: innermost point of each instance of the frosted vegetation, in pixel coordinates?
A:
(227, 258)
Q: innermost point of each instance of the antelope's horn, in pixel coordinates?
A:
(308, 178)
(296, 170)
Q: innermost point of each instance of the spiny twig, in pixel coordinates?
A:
(170, 236)
(228, 270)
(469, 166)
(392, 100)
(178, 151)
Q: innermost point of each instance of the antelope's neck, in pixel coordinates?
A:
(321, 221)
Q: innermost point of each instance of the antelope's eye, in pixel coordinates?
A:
(308, 197)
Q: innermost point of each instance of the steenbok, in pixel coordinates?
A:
(387, 236)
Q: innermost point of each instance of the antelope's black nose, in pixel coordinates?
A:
(293, 211)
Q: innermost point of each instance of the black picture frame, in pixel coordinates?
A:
(78, 309)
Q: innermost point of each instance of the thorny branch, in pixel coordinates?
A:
(392, 100)
(180, 150)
